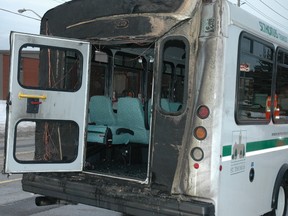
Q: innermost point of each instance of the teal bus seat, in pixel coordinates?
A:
(101, 111)
(164, 103)
(102, 134)
(168, 106)
(174, 106)
(103, 123)
(98, 134)
(130, 116)
(119, 137)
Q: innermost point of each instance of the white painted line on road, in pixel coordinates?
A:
(11, 180)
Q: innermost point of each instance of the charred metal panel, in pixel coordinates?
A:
(121, 196)
(172, 141)
(105, 18)
(80, 10)
(172, 131)
(77, 11)
(168, 140)
(113, 27)
(203, 182)
(120, 26)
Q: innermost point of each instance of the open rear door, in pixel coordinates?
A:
(47, 104)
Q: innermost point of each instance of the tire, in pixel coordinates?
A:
(282, 201)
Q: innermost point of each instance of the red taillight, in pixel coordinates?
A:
(203, 112)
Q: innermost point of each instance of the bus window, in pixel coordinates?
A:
(173, 75)
(254, 80)
(281, 114)
(97, 79)
(64, 75)
(99, 74)
(128, 75)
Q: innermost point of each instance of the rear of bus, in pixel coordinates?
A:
(148, 114)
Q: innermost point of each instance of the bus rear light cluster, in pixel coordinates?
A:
(200, 133)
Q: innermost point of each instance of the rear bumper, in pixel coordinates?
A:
(104, 194)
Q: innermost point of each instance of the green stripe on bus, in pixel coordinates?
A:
(226, 151)
(256, 146)
(266, 144)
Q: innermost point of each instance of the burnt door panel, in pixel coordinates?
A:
(169, 109)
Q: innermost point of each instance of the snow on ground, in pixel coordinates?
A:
(2, 112)
(2, 118)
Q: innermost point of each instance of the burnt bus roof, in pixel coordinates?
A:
(94, 19)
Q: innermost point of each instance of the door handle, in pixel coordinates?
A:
(21, 95)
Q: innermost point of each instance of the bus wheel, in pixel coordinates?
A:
(282, 201)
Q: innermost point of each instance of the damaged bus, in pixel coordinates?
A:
(152, 108)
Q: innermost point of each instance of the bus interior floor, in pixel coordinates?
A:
(122, 161)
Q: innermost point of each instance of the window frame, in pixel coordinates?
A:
(185, 41)
(20, 73)
(253, 38)
(276, 73)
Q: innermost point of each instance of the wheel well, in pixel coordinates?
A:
(279, 179)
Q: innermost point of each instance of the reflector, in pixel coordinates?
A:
(197, 154)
